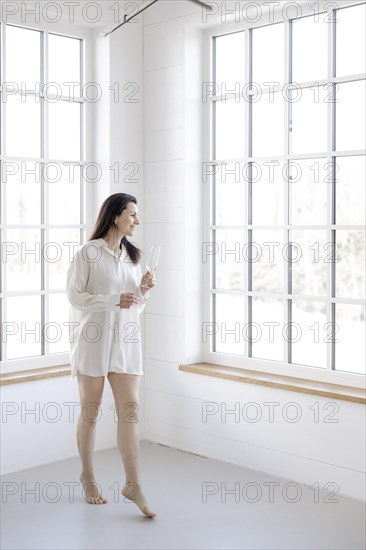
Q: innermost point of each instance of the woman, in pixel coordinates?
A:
(107, 295)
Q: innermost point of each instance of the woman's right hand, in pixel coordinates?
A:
(127, 300)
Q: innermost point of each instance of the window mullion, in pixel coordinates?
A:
(3, 238)
(3, 79)
(83, 133)
(44, 216)
(330, 306)
(212, 195)
(287, 303)
(247, 184)
(82, 104)
(249, 233)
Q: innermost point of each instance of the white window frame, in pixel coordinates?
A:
(244, 362)
(86, 38)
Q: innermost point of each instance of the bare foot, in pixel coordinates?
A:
(91, 491)
(132, 492)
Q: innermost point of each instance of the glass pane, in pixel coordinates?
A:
(58, 254)
(309, 119)
(230, 129)
(230, 261)
(268, 261)
(308, 191)
(268, 123)
(57, 332)
(268, 61)
(351, 46)
(22, 259)
(230, 190)
(23, 126)
(230, 62)
(267, 339)
(350, 190)
(350, 333)
(267, 193)
(310, 57)
(25, 313)
(23, 57)
(22, 192)
(309, 333)
(229, 324)
(64, 130)
(350, 116)
(64, 64)
(64, 194)
(310, 254)
(350, 269)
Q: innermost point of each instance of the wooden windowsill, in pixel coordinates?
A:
(323, 389)
(35, 374)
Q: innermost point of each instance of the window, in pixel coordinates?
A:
(42, 191)
(285, 178)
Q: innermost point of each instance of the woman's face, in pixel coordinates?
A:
(128, 220)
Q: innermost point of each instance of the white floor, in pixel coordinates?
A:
(192, 512)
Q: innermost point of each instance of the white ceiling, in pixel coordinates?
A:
(104, 15)
(107, 14)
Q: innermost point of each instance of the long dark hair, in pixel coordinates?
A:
(113, 206)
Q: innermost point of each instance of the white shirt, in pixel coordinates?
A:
(103, 336)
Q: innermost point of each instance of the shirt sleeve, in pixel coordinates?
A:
(79, 298)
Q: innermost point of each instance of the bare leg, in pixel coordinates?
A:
(125, 389)
(91, 392)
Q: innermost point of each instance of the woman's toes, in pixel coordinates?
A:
(92, 492)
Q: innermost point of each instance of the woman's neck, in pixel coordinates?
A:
(113, 240)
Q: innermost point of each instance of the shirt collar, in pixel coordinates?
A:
(106, 246)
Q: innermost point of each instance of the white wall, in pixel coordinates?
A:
(38, 423)
(310, 450)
